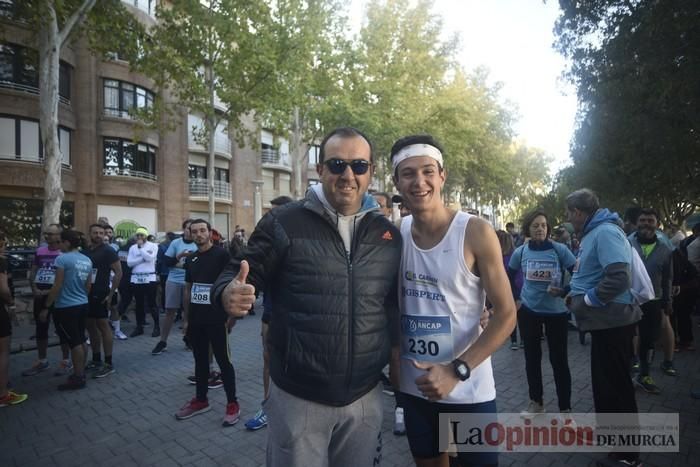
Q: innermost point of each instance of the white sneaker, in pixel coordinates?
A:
(566, 419)
(533, 409)
(399, 425)
(120, 335)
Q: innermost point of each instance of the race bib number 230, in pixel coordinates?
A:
(426, 338)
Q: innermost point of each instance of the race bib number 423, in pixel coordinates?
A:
(426, 338)
(540, 271)
(200, 294)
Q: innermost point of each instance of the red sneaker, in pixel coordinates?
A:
(192, 408)
(233, 411)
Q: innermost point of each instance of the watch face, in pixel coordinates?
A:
(462, 369)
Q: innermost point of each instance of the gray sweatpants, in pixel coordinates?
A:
(302, 433)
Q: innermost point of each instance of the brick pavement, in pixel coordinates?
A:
(127, 418)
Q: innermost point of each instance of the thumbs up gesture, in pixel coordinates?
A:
(238, 297)
(437, 382)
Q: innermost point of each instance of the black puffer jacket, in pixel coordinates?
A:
(334, 316)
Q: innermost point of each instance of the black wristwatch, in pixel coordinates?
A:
(461, 368)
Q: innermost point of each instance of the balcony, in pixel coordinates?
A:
(33, 159)
(199, 187)
(275, 158)
(29, 89)
(117, 172)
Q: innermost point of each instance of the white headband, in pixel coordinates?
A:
(416, 150)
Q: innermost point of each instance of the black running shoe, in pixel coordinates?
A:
(73, 382)
(159, 348)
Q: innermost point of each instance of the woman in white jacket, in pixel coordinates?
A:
(144, 282)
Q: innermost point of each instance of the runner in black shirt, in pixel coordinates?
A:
(207, 325)
(106, 275)
(7, 397)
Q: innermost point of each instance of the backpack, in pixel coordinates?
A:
(641, 288)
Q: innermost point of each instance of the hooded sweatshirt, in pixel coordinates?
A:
(346, 225)
(600, 295)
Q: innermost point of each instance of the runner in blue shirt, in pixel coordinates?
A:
(69, 298)
(176, 254)
(543, 263)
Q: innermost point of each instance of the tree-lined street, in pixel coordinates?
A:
(127, 418)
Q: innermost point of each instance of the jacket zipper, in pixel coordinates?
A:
(351, 302)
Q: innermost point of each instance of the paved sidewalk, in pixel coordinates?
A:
(127, 418)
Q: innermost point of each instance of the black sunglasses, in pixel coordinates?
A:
(338, 166)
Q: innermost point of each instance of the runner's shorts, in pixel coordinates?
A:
(70, 324)
(173, 295)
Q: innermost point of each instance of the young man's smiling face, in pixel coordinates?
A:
(420, 180)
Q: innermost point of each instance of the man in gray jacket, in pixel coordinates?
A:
(658, 260)
(600, 299)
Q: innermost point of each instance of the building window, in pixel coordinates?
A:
(8, 8)
(19, 69)
(313, 155)
(221, 175)
(120, 97)
(20, 140)
(124, 157)
(200, 172)
(197, 171)
(21, 219)
(148, 6)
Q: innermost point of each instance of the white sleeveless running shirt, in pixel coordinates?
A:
(441, 302)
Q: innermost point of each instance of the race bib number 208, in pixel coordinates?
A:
(200, 294)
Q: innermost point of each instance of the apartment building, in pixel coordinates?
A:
(111, 166)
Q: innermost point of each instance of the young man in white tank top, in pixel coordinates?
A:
(450, 262)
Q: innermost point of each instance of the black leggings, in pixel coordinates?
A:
(649, 329)
(683, 305)
(145, 293)
(126, 293)
(216, 335)
(556, 328)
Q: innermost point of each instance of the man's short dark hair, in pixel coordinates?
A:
(107, 226)
(281, 200)
(100, 226)
(510, 225)
(632, 214)
(648, 212)
(344, 132)
(584, 200)
(386, 196)
(415, 139)
(199, 221)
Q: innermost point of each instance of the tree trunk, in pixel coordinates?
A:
(212, 123)
(49, 50)
(51, 40)
(298, 155)
(211, 162)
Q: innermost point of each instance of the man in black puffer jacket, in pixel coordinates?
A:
(330, 262)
